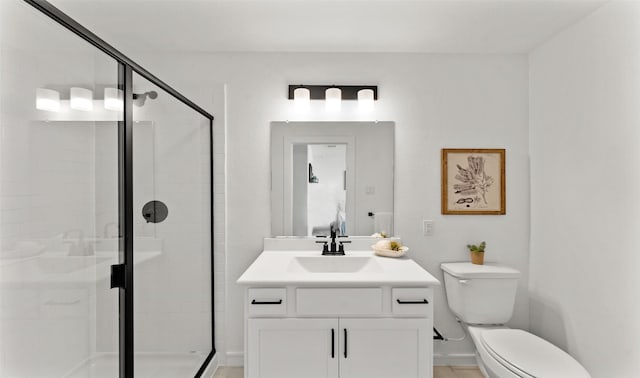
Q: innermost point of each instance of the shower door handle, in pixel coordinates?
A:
(118, 276)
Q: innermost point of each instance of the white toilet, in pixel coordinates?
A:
(482, 296)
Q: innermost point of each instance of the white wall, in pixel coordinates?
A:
(584, 135)
(436, 101)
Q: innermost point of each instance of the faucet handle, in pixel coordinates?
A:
(341, 246)
(325, 246)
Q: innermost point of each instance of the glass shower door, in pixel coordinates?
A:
(172, 229)
(59, 209)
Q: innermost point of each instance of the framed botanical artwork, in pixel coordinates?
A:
(473, 181)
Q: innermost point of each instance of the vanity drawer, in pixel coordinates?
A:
(412, 301)
(267, 301)
(338, 301)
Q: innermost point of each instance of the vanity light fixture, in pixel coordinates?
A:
(81, 99)
(113, 99)
(333, 98)
(334, 94)
(302, 98)
(47, 99)
(365, 99)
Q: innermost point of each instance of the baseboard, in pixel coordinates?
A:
(235, 359)
(454, 359)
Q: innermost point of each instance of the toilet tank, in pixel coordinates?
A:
(481, 294)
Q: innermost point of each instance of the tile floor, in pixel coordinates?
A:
(456, 372)
(438, 372)
(229, 372)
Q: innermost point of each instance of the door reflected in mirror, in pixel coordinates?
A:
(332, 176)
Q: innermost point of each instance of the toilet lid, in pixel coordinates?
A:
(466, 270)
(531, 355)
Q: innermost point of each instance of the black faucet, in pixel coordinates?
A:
(333, 251)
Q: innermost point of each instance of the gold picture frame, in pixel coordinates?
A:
(473, 181)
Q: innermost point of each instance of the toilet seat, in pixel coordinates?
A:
(529, 356)
(503, 363)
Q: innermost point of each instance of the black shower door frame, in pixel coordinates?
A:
(126, 68)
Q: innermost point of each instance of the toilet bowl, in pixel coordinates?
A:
(482, 297)
(511, 353)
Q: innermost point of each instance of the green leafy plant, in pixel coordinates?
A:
(395, 246)
(477, 248)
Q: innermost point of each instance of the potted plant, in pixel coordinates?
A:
(477, 253)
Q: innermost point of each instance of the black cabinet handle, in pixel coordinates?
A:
(413, 302)
(345, 343)
(333, 343)
(266, 303)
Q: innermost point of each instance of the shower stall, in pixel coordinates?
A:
(106, 226)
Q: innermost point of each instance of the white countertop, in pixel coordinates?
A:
(277, 267)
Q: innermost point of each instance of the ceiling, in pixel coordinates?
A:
(427, 26)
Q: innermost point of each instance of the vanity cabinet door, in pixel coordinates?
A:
(383, 348)
(293, 348)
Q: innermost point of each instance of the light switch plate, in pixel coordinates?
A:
(427, 227)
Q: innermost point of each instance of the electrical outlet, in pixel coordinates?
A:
(427, 227)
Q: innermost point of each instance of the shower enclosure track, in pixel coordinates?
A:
(126, 67)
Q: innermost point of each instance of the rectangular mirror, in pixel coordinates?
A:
(331, 175)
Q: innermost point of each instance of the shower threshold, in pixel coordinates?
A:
(147, 365)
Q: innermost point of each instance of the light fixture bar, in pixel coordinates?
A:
(349, 92)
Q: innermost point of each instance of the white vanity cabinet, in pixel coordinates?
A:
(292, 348)
(382, 348)
(348, 332)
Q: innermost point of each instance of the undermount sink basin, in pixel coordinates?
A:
(334, 264)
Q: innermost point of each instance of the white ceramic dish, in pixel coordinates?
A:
(390, 252)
